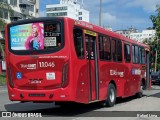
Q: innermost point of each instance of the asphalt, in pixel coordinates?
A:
(132, 108)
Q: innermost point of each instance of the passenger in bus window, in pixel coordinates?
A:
(35, 40)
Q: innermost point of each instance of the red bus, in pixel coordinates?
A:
(64, 60)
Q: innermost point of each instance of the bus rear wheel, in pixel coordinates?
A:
(140, 93)
(111, 96)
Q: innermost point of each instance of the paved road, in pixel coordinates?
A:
(150, 103)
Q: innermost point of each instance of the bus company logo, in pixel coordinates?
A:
(115, 72)
(29, 66)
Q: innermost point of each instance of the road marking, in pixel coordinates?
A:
(78, 118)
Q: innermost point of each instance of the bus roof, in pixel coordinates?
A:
(107, 32)
(85, 25)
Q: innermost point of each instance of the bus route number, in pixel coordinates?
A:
(46, 64)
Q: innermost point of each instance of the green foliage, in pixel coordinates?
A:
(2, 79)
(6, 7)
(156, 21)
(2, 24)
(156, 25)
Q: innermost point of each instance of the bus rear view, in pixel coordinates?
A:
(37, 60)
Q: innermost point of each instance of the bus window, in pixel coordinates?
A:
(113, 47)
(116, 46)
(127, 53)
(44, 37)
(140, 55)
(119, 51)
(107, 49)
(135, 54)
(143, 56)
(101, 48)
(90, 47)
(104, 48)
(78, 42)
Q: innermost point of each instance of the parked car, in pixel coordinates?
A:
(155, 76)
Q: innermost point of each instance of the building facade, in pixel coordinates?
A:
(127, 32)
(133, 34)
(20, 9)
(67, 8)
(144, 35)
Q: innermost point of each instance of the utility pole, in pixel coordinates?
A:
(100, 13)
(155, 67)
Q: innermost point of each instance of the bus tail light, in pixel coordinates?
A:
(10, 78)
(65, 74)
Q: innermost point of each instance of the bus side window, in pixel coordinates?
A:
(127, 53)
(107, 48)
(101, 48)
(143, 56)
(104, 48)
(135, 54)
(116, 46)
(78, 42)
(119, 51)
(140, 55)
(113, 47)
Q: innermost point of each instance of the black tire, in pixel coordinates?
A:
(111, 96)
(140, 93)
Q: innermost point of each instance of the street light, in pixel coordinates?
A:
(100, 13)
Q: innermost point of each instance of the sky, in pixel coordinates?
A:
(117, 14)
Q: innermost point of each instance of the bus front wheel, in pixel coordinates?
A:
(111, 96)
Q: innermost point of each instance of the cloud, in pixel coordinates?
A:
(147, 5)
(42, 13)
(116, 13)
(108, 19)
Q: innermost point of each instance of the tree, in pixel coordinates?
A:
(156, 25)
(2, 24)
(4, 6)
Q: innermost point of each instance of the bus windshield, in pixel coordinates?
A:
(39, 36)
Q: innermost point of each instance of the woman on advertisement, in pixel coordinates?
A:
(36, 40)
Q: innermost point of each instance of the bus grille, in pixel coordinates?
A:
(36, 95)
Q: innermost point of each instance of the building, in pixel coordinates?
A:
(133, 34)
(144, 35)
(20, 9)
(107, 28)
(126, 32)
(12, 10)
(68, 8)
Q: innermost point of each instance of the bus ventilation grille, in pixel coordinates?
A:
(36, 95)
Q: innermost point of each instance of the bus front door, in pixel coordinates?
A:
(92, 67)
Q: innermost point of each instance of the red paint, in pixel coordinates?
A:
(80, 71)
